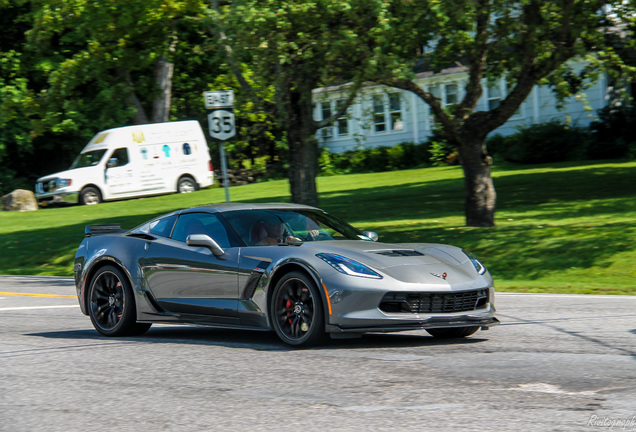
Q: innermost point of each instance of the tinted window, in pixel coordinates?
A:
(121, 154)
(87, 159)
(201, 223)
(163, 227)
(259, 227)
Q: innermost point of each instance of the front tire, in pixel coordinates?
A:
(90, 196)
(296, 311)
(111, 305)
(452, 333)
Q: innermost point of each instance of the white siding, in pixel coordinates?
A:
(540, 107)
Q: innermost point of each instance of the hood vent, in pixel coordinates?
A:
(400, 253)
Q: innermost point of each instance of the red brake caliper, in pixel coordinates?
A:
(288, 305)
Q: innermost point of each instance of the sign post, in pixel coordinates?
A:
(221, 124)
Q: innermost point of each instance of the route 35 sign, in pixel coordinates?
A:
(222, 125)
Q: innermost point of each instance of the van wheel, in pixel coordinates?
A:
(187, 184)
(90, 196)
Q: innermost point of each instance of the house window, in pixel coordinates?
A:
(387, 112)
(496, 93)
(435, 90)
(342, 124)
(379, 119)
(325, 112)
(452, 94)
(340, 127)
(395, 112)
(494, 97)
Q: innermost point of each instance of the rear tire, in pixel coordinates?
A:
(452, 333)
(187, 184)
(296, 311)
(111, 305)
(90, 196)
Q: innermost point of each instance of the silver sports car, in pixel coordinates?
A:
(293, 269)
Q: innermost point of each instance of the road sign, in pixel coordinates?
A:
(222, 125)
(219, 99)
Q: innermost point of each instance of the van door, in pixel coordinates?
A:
(119, 176)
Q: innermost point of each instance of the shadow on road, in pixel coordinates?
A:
(261, 341)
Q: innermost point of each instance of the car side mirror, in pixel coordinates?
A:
(112, 163)
(205, 241)
(372, 235)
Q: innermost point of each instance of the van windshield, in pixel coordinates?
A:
(88, 159)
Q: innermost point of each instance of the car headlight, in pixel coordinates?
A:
(348, 266)
(479, 267)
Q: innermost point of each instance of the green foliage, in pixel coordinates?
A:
(295, 47)
(70, 69)
(561, 228)
(402, 156)
(613, 134)
(441, 152)
(525, 43)
(554, 141)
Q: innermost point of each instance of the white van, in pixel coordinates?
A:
(133, 161)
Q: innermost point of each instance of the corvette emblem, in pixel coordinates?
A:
(443, 275)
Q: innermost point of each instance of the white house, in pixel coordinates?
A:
(385, 116)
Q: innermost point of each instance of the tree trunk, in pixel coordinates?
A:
(303, 147)
(163, 78)
(140, 116)
(480, 196)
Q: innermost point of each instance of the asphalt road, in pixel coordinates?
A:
(557, 362)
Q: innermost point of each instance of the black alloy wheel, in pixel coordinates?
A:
(296, 310)
(111, 306)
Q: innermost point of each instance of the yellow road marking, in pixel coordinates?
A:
(36, 295)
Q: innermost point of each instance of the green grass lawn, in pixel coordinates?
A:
(567, 228)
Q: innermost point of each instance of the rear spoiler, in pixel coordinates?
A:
(94, 230)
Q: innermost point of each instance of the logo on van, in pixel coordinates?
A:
(100, 138)
(138, 136)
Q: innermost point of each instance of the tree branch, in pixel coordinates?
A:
(449, 127)
(343, 108)
(477, 60)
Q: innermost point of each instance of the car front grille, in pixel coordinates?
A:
(434, 302)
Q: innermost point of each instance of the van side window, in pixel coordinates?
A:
(163, 227)
(201, 223)
(121, 154)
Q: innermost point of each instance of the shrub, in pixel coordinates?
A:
(402, 156)
(542, 143)
(612, 134)
(442, 153)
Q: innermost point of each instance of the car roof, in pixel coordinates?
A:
(223, 207)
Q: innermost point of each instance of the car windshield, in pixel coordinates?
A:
(263, 227)
(87, 159)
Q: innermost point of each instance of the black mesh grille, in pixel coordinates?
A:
(436, 302)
